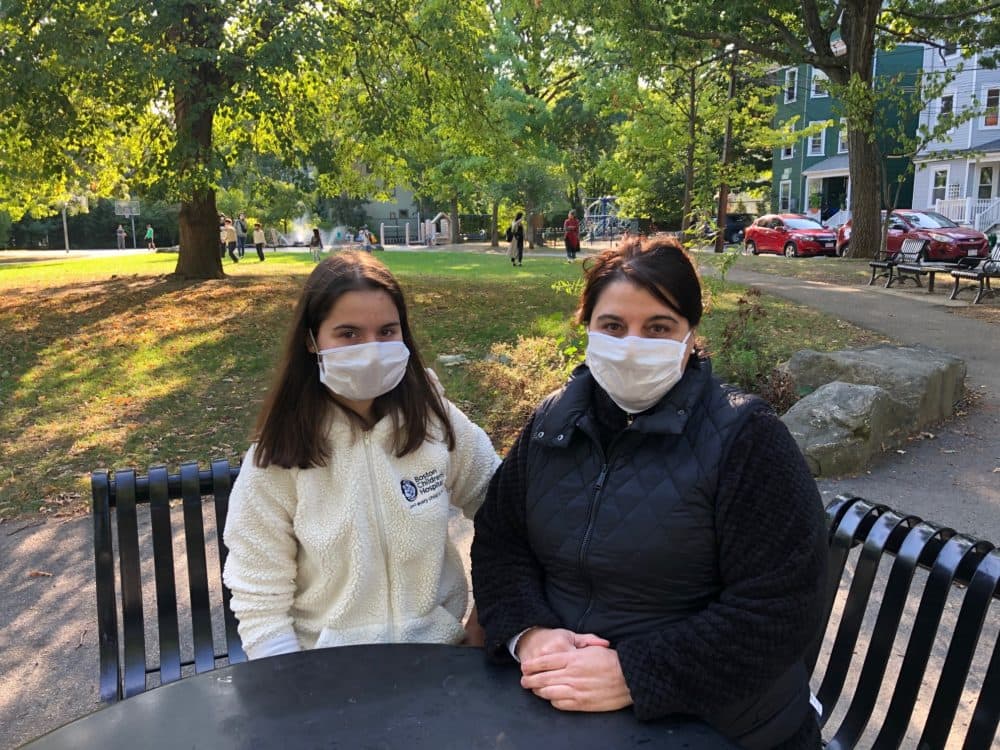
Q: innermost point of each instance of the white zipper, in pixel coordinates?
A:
(381, 537)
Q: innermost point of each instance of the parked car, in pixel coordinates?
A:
(736, 225)
(946, 241)
(790, 234)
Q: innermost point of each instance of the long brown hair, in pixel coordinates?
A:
(291, 426)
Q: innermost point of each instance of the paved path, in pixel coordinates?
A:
(48, 649)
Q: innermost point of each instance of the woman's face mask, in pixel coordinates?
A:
(636, 372)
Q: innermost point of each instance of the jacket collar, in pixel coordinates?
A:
(583, 398)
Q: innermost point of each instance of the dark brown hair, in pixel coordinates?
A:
(291, 427)
(659, 265)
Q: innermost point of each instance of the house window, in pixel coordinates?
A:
(819, 85)
(404, 213)
(816, 141)
(992, 117)
(939, 186)
(787, 152)
(791, 85)
(949, 48)
(842, 137)
(986, 183)
(947, 105)
(784, 195)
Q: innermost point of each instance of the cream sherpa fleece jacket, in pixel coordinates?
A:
(356, 551)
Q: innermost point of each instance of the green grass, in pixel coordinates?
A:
(107, 363)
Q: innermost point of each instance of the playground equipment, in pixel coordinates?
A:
(601, 219)
(430, 234)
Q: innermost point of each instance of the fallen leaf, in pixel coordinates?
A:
(39, 574)
(949, 451)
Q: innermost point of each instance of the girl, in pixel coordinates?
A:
(338, 526)
(315, 245)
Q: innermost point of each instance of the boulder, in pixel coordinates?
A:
(925, 382)
(840, 426)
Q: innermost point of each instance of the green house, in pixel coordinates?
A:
(811, 174)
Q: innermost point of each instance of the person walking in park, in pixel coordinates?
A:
(120, 235)
(315, 245)
(150, 245)
(338, 523)
(258, 240)
(516, 234)
(240, 225)
(228, 239)
(654, 538)
(571, 229)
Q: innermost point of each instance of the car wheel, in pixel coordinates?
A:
(751, 247)
(791, 251)
(842, 249)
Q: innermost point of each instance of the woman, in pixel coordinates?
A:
(516, 249)
(571, 230)
(338, 523)
(654, 538)
(228, 238)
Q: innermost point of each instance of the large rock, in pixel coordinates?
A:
(840, 426)
(925, 382)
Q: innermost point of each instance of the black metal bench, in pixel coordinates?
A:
(931, 571)
(882, 265)
(862, 536)
(138, 502)
(911, 264)
(988, 269)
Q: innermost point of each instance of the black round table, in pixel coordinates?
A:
(372, 697)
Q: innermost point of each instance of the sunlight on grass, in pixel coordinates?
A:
(108, 363)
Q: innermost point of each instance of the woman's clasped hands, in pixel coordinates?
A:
(573, 671)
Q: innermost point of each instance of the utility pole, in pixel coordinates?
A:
(65, 229)
(727, 147)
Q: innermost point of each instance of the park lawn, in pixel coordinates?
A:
(109, 363)
(848, 271)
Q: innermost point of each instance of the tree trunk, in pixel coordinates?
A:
(864, 156)
(692, 114)
(453, 216)
(197, 93)
(494, 229)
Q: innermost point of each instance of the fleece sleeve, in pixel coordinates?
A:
(472, 463)
(771, 539)
(507, 579)
(261, 567)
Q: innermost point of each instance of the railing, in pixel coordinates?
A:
(989, 216)
(965, 210)
(838, 219)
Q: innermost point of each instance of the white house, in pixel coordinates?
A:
(960, 177)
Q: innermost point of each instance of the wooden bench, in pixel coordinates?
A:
(910, 586)
(988, 269)
(863, 537)
(141, 506)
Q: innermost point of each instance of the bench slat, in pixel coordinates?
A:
(131, 583)
(104, 575)
(166, 593)
(194, 535)
(986, 716)
(222, 484)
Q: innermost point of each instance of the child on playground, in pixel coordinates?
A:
(150, 245)
(258, 240)
(315, 245)
(338, 523)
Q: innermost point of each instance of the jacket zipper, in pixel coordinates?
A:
(380, 522)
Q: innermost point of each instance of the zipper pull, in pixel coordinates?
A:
(629, 419)
(600, 477)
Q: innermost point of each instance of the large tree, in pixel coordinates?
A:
(140, 95)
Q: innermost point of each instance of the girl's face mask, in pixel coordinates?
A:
(362, 371)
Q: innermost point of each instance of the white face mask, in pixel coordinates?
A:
(362, 371)
(635, 372)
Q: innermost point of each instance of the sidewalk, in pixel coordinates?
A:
(48, 645)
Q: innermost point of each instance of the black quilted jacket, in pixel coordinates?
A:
(691, 536)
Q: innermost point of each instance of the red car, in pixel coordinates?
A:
(946, 240)
(791, 234)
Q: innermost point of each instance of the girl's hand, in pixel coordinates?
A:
(585, 679)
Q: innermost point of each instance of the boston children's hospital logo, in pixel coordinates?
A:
(423, 488)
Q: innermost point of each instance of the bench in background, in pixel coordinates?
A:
(868, 611)
(988, 269)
